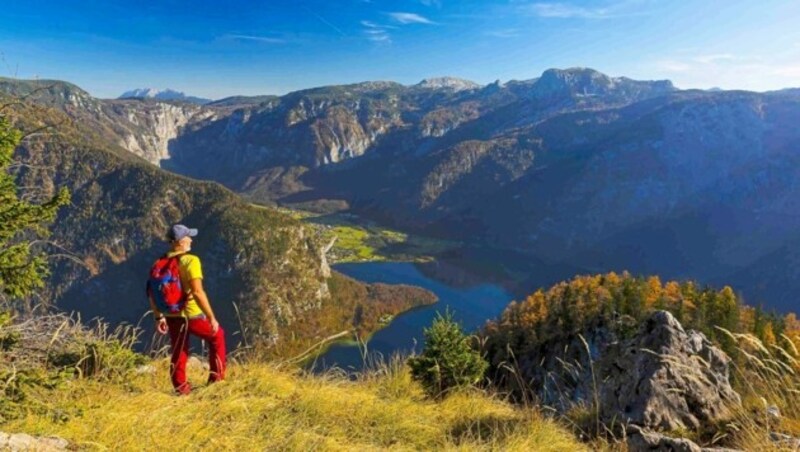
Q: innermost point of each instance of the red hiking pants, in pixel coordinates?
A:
(179, 330)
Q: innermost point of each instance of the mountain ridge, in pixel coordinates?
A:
(511, 165)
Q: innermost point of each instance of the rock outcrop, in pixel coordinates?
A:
(640, 440)
(665, 378)
(23, 442)
(661, 377)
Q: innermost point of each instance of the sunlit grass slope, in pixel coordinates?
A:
(261, 407)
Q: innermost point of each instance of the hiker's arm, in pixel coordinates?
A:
(161, 322)
(202, 301)
(156, 313)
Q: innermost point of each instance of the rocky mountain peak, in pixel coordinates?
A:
(453, 83)
(586, 82)
(159, 94)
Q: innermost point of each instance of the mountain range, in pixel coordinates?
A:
(599, 172)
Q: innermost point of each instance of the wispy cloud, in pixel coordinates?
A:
(505, 33)
(564, 10)
(377, 32)
(370, 24)
(263, 39)
(567, 11)
(410, 18)
(325, 21)
(436, 3)
(380, 33)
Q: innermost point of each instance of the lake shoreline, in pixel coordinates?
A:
(472, 306)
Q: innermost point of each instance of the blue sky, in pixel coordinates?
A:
(217, 49)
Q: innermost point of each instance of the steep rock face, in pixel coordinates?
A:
(147, 128)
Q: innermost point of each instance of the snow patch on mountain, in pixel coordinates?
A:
(453, 83)
(162, 94)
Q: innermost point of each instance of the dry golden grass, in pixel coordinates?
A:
(766, 377)
(261, 407)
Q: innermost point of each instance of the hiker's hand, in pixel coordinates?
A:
(214, 326)
(161, 325)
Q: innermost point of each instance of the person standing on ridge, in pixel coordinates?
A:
(181, 307)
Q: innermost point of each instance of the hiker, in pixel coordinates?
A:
(181, 307)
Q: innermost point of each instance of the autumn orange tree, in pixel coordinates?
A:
(573, 306)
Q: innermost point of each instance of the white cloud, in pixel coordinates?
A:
(673, 66)
(731, 71)
(713, 58)
(410, 18)
(789, 70)
(264, 39)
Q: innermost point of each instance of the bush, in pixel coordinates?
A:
(447, 362)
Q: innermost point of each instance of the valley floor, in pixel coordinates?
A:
(361, 240)
(261, 407)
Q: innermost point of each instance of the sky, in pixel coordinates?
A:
(216, 49)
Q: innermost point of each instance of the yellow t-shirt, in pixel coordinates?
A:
(190, 269)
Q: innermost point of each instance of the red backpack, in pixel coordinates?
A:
(164, 285)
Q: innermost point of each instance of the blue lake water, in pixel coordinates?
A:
(471, 306)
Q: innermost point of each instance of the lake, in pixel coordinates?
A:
(471, 306)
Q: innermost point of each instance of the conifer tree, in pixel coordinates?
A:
(22, 267)
(447, 362)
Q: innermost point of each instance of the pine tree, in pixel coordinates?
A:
(448, 361)
(22, 267)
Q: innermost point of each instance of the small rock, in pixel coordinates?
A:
(784, 440)
(194, 362)
(24, 442)
(773, 411)
(642, 440)
(148, 369)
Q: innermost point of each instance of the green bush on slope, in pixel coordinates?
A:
(447, 362)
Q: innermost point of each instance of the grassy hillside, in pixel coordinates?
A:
(261, 407)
